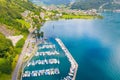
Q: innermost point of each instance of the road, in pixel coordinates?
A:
(20, 60)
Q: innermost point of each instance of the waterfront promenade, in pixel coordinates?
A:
(74, 65)
(17, 69)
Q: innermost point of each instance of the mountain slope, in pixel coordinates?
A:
(89, 4)
(10, 12)
(12, 20)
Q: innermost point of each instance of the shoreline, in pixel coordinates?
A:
(29, 58)
(17, 69)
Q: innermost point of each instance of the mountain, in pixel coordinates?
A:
(118, 1)
(112, 6)
(50, 2)
(95, 4)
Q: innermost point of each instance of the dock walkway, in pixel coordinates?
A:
(74, 65)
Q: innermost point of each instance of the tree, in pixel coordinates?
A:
(5, 45)
(42, 34)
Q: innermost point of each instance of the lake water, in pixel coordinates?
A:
(94, 44)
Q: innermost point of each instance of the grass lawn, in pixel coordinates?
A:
(78, 16)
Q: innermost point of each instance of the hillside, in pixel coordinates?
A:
(94, 4)
(118, 1)
(11, 11)
(112, 6)
(12, 22)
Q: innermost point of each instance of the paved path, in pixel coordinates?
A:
(20, 60)
(74, 65)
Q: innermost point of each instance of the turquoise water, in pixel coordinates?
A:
(63, 67)
(95, 45)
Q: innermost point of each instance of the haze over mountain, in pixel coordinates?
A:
(82, 4)
(96, 4)
(50, 2)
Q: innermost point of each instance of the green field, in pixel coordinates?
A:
(80, 16)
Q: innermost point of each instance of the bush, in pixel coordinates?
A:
(5, 45)
(20, 43)
(5, 66)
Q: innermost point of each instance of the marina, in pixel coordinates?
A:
(49, 61)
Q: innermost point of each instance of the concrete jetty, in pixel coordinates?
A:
(74, 65)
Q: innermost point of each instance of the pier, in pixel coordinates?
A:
(74, 65)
